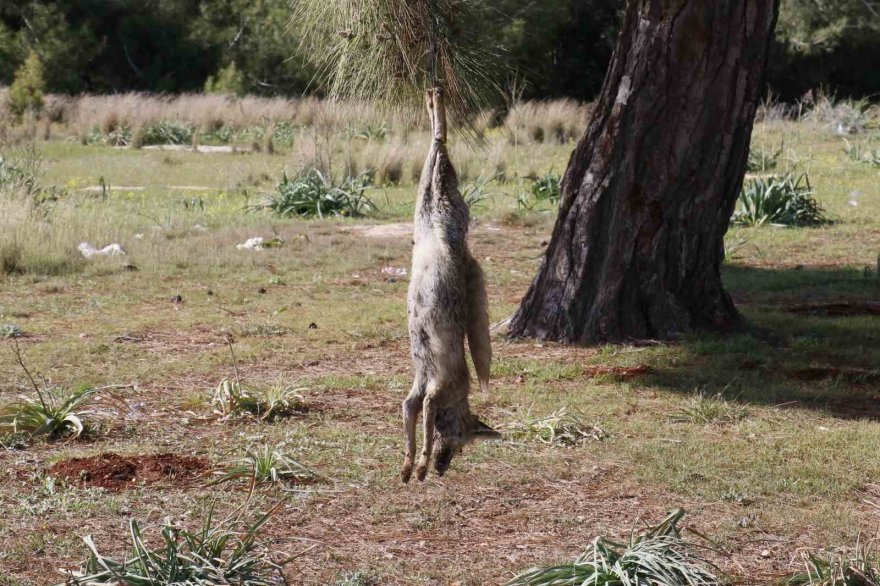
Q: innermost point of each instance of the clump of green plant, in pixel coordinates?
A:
(762, 160)
(477, 191)
(860, 567)
(264, 464)
(167, 132)
(56, 412)
(314, 194)
(559, 428)
(232, 399)
(785, 200)
(28, 87)
(705, 409)
(856, 153)
(657, 556)
(10, 331)
(14, 441)
(547, 187)
(223, 553)
(371, 132)
(20, 172)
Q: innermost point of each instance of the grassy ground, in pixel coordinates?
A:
(768, 437)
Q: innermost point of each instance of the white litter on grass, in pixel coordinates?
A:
(854, 198)
(89, 251)
(255, 243)
(199, 228)
(394, 271)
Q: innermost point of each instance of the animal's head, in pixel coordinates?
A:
(449, 441)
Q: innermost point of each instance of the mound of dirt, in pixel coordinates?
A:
(116, 472)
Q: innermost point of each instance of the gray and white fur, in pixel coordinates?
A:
(446, 304)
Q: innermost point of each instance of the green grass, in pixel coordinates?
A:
(768, 424)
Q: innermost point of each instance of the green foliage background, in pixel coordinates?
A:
(560, 47)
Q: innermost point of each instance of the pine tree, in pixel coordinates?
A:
(26, 91)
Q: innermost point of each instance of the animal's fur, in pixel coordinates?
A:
(446, 303)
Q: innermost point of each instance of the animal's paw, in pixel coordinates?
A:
(406, 472)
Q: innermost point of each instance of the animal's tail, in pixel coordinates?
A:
(479, 342)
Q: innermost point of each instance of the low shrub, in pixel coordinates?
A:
(264, 464)
(477, 191)
(314, 194)
(10, 331)
(547, 187)
(705, 409)
(859, 567)
(223, 553)
(234, 399)
(167, 132)
(656, 556)
(785, 200)
(56, 412)
(559, 428)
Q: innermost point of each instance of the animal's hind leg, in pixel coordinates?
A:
(411, 407)
(429, 417)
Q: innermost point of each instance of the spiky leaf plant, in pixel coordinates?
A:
(264, 464)
(785, 200)
(860, 567)
(547, 187)
(704, 409)
(232, 398)
(314, 194)
(657, 556)
(224, 553)
(390, 51)
(56, 412)
(559, 428)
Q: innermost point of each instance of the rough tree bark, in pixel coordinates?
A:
(650, 188)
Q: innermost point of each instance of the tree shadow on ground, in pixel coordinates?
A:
(811, 339)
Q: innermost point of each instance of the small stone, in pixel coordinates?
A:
(261, 290)
(177, 299)
(765, 553)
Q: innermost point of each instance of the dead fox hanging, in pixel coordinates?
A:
(446, 303)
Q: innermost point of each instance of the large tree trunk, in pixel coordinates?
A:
(650, 188)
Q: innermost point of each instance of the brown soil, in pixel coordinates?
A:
(116, 472)
(837, 309)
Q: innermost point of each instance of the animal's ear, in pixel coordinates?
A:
(481, 431)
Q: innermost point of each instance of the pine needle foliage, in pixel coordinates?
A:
(390, 51)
